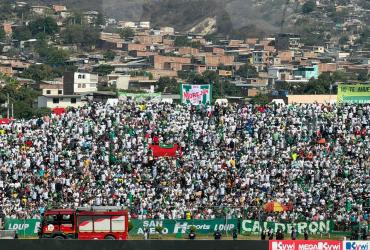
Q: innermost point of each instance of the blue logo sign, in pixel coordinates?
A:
(353, 245)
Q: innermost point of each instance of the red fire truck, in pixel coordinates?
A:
(110, 223)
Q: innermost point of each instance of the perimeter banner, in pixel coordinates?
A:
(358, 93)
(182, 226)
(312, 227)
(195, 94)
(24, 228)
(305, 245)
(356, 245)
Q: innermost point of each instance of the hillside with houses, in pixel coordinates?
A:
(60, 55)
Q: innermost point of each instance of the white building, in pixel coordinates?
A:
(85, 82)
(134, 25)
(121, 81)
(279, 73)
(79, 83)
(60, 101)
(51, 88)
(144, 25)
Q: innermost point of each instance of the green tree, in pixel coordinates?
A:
(45, 25)
(362, 76)
(308, 6)
(212, 38)
(75, 19)
(126, 33)
(103, 69)
(343, 40)
(182, 41)
(39, 72)
(183, 74)
(22, 33)
(6, 10)
(107, 88)
(23, 12)
(168, 85)
(73, 34)
(60, 69)
(323, 85)
(23, 99)
(80, 34)
(260, 99)
(2, 34)
(100, 19)
(53, 56)
(195, 44)
(247, 71)
(109, 55)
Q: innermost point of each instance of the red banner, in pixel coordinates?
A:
(305, 245)
(5, 121)
(59, 111)
(159, 151)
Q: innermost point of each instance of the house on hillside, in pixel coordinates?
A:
(79, 83)
(53, 88)
(60, 101)
(39, 9)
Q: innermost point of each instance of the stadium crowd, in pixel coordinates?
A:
(313, 158)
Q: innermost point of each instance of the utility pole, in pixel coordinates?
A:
(7, 105)
(12, 110)
(222, 95)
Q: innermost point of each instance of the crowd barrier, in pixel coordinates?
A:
(29, 228)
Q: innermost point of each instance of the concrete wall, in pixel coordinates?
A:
(312, 98)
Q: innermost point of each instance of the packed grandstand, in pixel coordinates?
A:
(169, 161)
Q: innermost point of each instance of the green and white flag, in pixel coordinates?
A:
(195, 94)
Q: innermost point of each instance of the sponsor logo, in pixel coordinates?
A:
(51, 227)
(18, 226)
(282, 246)
(319, 246)
(356, 245)
(306, 245)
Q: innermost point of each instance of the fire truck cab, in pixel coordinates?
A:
(85, 223)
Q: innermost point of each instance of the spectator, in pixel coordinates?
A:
(146, 233)
(263, 234)
(270, 234)
(192, 235)
(217, 235)
(364, 233)
(312, 157)
(305, 234)
(279, 234)
(294, 234)
(235, 234)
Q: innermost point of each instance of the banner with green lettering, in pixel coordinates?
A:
(312, 227)
(357, 93)
(183, 226)
(25, 228)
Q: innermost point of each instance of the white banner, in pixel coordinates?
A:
(355, 245)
